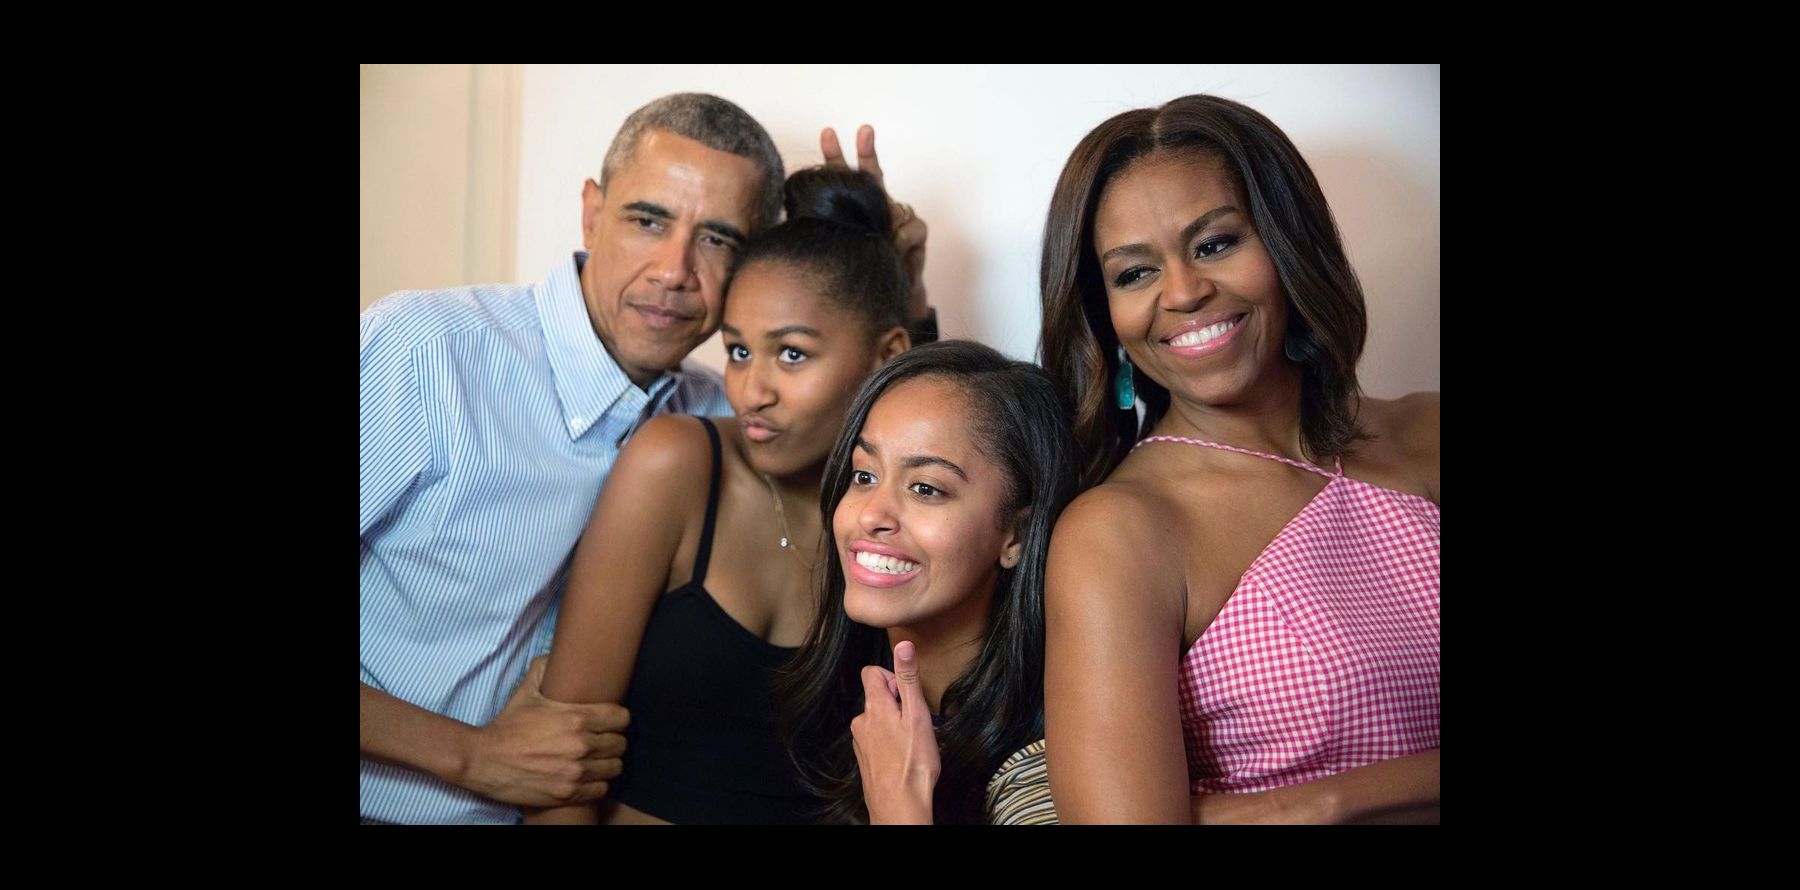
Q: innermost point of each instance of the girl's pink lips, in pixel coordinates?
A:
(868, 577)
(757, 431)
(1210, 346)
(880, 549)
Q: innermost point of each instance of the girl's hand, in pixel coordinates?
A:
(896, 748)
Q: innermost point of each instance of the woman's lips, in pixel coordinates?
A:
(1195, 340)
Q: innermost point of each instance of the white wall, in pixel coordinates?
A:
(976, 151)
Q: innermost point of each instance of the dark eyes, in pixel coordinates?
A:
(657, 224)
(922, 489)
(1216, 245)
(737, 352)
(1209, 248)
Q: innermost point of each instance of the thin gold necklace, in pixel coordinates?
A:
(787, 542)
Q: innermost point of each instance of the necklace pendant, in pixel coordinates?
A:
(784, 542)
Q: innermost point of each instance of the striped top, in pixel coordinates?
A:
(490, 417)
(1325, 657)
(1019, 792)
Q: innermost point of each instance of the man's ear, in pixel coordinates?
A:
(593, 198)
(891, 343)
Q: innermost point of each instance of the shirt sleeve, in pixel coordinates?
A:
(396, 442)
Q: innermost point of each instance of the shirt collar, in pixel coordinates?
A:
(589, 383)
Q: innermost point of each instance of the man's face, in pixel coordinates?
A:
(661, 241)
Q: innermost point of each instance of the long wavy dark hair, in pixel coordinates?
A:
(1327, 320)
(996, 706)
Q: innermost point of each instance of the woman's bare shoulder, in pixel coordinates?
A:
(1406, 430)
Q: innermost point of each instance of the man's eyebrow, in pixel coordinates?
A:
(656, 210)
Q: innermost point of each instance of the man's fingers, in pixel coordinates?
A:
(866, 160)
(605, 744)
(588, 792)
(604, 717)
(909, 235)
(831, 149)
(601, 768)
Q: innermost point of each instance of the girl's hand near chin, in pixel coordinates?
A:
(896, 747)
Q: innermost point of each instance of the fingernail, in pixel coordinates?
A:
(904, 651)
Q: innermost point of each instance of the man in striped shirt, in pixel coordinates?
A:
(490, 417)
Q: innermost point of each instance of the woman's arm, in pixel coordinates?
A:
(1400, 790)
(621, 566)
(1114, 606)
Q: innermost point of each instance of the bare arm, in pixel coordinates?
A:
(1113, 623)
(1400, 790)
(535, 752)
(621, 566)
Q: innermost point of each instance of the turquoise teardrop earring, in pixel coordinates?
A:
(1122, 388)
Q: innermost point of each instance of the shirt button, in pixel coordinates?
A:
(574, 423)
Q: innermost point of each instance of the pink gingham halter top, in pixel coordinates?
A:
(1325, 656)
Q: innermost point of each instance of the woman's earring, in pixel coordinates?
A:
(1122, 388)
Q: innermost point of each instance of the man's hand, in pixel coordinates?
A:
(909, 230)
(542, 753)
(896, 748)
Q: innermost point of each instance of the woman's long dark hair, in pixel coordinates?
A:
(997, 706)
(1327, 321)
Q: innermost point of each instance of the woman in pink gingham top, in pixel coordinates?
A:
(1233, 632)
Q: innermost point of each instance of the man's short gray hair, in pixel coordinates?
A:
(713, 122)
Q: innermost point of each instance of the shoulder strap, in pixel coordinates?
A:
(1187, 441)
(704, 554)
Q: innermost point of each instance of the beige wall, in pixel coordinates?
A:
(439, 175)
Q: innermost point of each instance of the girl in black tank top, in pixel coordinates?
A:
(816, 305)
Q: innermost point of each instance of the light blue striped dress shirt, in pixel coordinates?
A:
(490, 417)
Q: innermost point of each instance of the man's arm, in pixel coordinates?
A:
(536, 752)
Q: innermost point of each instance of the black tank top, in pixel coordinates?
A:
(701, 747)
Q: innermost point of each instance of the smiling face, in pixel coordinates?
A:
(919, 530)
(661, 240)
(794, 361)
(1192, 293)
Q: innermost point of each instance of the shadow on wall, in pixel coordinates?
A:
(1389, 222)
